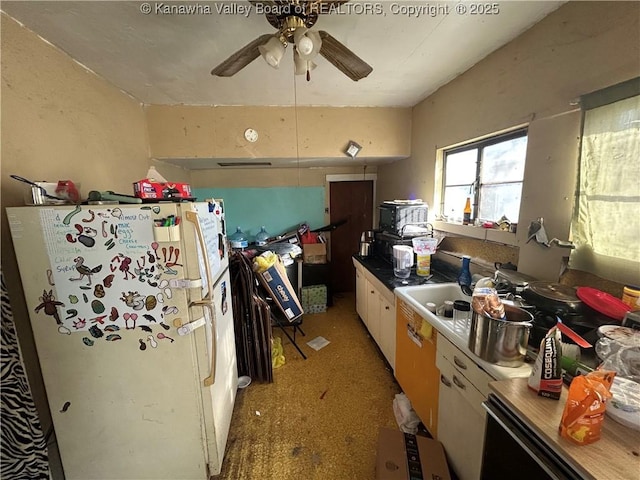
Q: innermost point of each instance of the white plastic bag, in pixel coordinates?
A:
(407, 419)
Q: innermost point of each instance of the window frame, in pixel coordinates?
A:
(480, 145)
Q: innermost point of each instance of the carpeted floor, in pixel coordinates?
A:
(319, 419)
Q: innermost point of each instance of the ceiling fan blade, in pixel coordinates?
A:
(241, 58)
(343, 59)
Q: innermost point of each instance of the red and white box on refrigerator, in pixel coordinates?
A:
(148, 188)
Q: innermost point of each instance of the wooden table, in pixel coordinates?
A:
(615, 456)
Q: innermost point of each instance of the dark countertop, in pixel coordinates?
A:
(382, 269)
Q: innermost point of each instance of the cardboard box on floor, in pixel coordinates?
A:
(400, 458)
(275, 280)
(314, 298)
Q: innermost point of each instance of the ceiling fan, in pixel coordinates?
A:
(293, 20)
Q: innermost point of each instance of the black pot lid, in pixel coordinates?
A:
(555, 291)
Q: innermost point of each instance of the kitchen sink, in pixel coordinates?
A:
(456, 331)
(418, 296)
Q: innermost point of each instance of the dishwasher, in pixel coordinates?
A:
(464, 386)
(512, 446)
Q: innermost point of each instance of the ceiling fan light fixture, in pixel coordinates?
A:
(308, 43)
(293, 25)
(304, 45)
(302, 66)
(272, 51)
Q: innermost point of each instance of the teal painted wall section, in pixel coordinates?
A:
(279, 209)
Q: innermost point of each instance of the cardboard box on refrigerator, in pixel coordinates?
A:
(402, 456)
(148, 188)
(275, 280)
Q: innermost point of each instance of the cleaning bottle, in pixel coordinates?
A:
(466, 213)
(464, 276)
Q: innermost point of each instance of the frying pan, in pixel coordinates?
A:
(42, 190)
(553, 297)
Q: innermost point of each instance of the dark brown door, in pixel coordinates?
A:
(353, 202)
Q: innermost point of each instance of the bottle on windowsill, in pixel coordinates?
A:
(466, 213)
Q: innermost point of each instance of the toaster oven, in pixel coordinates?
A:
(396, 216)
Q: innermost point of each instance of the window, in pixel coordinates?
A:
(490, 172)
(606, 222)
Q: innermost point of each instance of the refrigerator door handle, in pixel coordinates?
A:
(187, 328)
(214, 351)
(208, 304)
(193, 218)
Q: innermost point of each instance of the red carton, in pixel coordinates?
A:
(147, 188)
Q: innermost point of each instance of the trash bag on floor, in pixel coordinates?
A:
(406, 417)
(277, 352)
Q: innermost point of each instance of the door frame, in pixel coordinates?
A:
(347, 177)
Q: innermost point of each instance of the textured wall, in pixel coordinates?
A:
(284, 132)
(581, 47)
(59, 121)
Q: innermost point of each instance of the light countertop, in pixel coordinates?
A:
(615, 456)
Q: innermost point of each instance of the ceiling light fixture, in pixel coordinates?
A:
(308, 42)
(307, 47)
(273, 50)
(302, 66)
(304, 44)
(293, 21)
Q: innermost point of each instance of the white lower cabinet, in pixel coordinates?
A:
(461, 418)
(375, 305)
(387, 341)
(373, 312)
(361, 292)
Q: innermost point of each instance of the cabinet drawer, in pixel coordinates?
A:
(465, 365)
(451, 377)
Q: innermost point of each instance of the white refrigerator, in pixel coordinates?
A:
(130, 307)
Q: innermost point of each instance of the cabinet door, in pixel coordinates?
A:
(460, 427)
(373, 312)
(361, 294)
(388, 331)
(415, 368)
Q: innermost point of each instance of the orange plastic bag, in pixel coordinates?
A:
(584, 411)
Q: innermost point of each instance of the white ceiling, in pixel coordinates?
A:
(167, 59)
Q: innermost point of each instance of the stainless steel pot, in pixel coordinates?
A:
(365, 249)
(501, 342)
